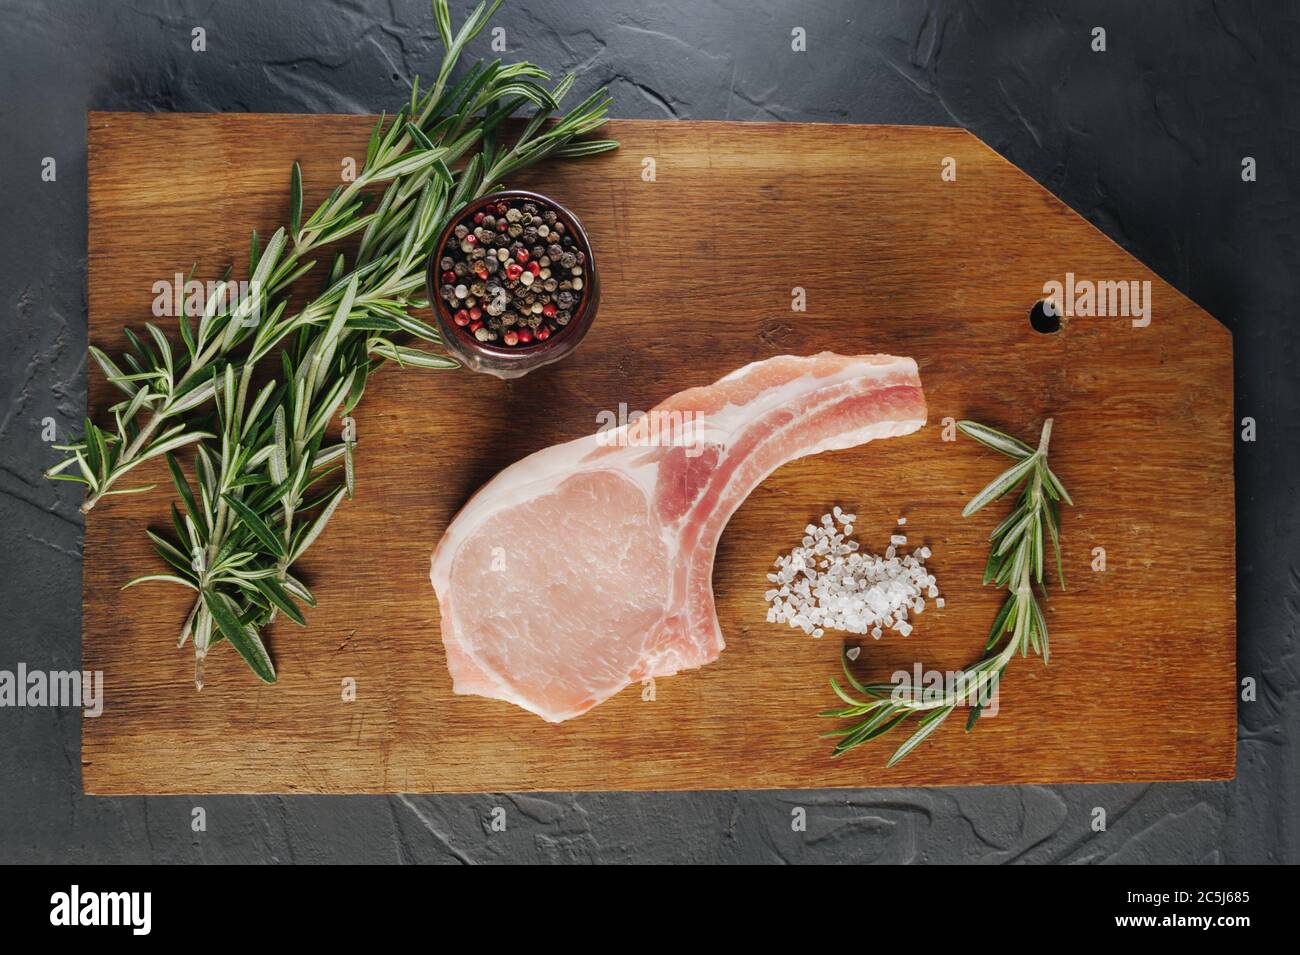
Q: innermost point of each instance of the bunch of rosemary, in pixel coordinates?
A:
(261, 460)
(1016, 559)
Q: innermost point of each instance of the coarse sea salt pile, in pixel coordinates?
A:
(827, 584)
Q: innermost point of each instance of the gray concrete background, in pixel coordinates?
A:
(1145, 140)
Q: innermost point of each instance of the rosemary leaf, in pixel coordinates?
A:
(991, 438)
(295, 201)
(928, 725)
(246, 641)
(258, 526)
(1000, 485)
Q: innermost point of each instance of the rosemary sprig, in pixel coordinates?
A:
(1016, 549)
(255, 507)
(429, 133)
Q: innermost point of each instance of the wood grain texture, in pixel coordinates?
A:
(697, 269)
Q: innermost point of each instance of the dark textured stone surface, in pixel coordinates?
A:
(1145, 140)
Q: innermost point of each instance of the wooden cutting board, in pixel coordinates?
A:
(698, 269)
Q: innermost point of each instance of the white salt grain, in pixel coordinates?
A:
(827, 583)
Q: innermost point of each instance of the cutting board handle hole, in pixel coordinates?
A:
(1043, 321)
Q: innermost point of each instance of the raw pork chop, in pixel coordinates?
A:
(588, 565)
